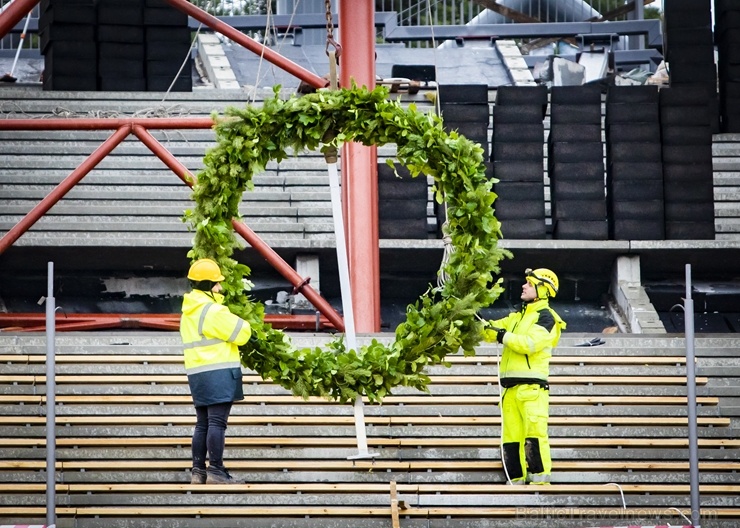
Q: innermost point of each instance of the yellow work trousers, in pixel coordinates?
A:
(525, 445)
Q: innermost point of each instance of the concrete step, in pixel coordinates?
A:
(148, 342)
(175, 192)
(193, 162)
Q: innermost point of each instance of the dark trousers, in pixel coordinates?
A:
(209, 437)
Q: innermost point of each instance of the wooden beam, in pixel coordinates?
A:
(609, 15)
(478, 359)
(374, 465)
(395, 521)
(288, 399)
(383, 421)
(513, 14)
(619, 11)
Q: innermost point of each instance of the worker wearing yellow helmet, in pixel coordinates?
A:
(528, 336)
(211, 336)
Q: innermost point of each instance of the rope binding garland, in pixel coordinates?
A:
(442, 321)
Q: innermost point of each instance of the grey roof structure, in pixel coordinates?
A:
(469, 65)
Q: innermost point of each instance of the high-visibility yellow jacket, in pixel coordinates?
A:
(211, 336)
(531, 334)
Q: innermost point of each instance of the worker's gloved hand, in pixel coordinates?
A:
(499, 333)
(492, 333)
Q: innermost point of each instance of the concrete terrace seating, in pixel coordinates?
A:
(131, 198)
(124, 420)
(726, 172)
(726, 160)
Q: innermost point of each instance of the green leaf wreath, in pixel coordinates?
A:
(441, 322)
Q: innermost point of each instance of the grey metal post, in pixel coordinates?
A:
(691, 393)
(637, 42)
(50, 402)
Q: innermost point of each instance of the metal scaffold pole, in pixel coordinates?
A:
(50, 402)
(691, 396)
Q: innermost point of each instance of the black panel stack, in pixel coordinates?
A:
(402, 203)
(115, 45)
(464, 107)
(727, 37)
(167, 40)
(634, 173)
(688, 189)
(67, 39)
(575, 162)
(689, 49)
(121, 45)
(425, 73)
(518, 160)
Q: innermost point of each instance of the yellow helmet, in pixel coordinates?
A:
(205, 269)
(543, 277)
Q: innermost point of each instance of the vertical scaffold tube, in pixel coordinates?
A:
(691, 397)
(50, 401)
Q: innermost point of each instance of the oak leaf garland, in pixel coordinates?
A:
(442, 321)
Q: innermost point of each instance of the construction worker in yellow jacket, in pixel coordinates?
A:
(528, 336)
(211, 336)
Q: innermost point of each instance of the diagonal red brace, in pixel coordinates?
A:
(36, 322)
(249, 43)
(138, 127)
(250, 236)
(63, 188)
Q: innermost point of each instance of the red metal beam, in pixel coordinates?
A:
(249, 43)
(180, 170)
(359, 168)
(250, 236)
(139, 127)
(289, 273)
(36, 322)
(63, 188)
(13, 14)
(153, 123)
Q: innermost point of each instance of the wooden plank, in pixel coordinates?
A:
(286, 399)
(180, 511)
(388, 421)
(281, 511)
(482, 359)
(329, 441)
(182, 379)
(345, 487)
(553, 380)
(373, 465)
(395, 521)
(589, 513)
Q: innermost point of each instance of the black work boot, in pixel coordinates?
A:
(218, 475)
(198, 476)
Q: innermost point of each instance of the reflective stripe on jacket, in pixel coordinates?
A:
(211, 336)
(531, 334)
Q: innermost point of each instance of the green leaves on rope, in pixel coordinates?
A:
(441, 322)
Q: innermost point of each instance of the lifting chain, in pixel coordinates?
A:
(330, 42)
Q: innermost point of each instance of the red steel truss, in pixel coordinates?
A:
(36, 322)
(357, 62)
(140, 128)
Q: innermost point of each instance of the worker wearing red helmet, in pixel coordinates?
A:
(211, 336)
(528, 336)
